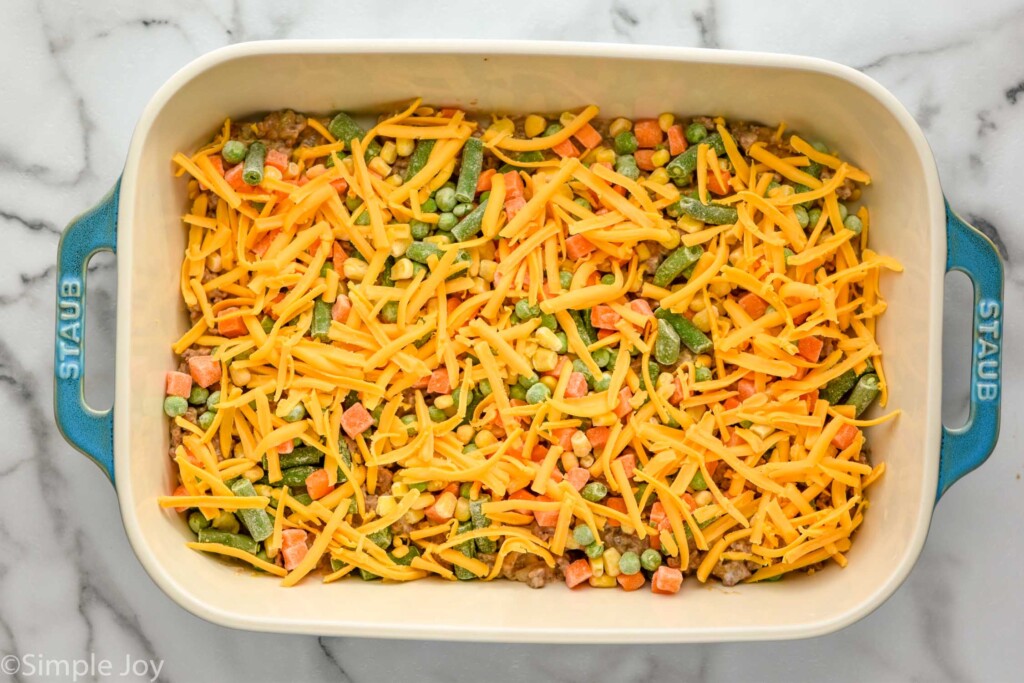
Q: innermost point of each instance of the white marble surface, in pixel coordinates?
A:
(76, 73)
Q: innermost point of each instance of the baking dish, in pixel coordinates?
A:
(139, 220)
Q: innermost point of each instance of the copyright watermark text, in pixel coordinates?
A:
(36, 665)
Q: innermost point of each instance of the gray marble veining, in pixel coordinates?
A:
(75, 77)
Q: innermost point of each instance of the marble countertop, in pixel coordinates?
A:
(77, 74)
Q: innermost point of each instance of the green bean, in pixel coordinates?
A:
(344, 128)
(675, 263)
(382, 538)
(837, 388)
(595, 492)
(197, 522)
(469, 170)
(175, 406)
(467, 548)
(421, 251)
(586, 332)
(530, 157)
(252, 172)
(666, 346)
(257, 522)
(294, 477)
(234, 151)
(419, 157)
(302, 455)
(346, 457)
(864, 393)
(412, 552)
(321, 323)
(481, 521)
(626, 142)
(716, 214)
(238, 541)
(682, 166)
(470, 224)
(694, 339)
(304, 498)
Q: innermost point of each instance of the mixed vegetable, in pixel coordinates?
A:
(538, 348)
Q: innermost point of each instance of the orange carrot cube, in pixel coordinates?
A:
(178, 384)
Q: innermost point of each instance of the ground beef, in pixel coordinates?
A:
(279, 129)
(177, 433)
(532, 570)
(384, 479)
(615, 537)
(844, 191)
(544, 533)
(731, 573)
(748, 134)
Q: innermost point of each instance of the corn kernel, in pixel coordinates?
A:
(439, 240)
(445, 504)
(763, 431)
(402, 270)
(424, 501)
(464, 433)
(292, 171)
(213, 262)
(534, 125)
(349, 164)
(606, 155)
(603, 581)
(569, 461)
(462, 510)
(619, 125)
(643, 252)
(479, 286)
(272, 172)
(566, 117)
(385, 504)
(697, 304)
(545, 360)
(702, 361)
(549, 381)
(530, 348)
(414, 516)
(597, 566)
(404, 146)
(571, 544)
(547, 339)
(389, 152)
(399, 231)
(587, 461)
(702, 321)
(424, 111)
(395, 180)
(695, 413)
(485, 438)
(720, 288)
(239, 376)
(399, 489)
(354, 269)
(399, 245)
(665, 122)
(689, 225)
(380, 167)
(487, 270)
(703, 498)
(444, 402)
(605, 420)
(504, 125)
(611, 562)
(659, 175)
(661, 157)
(580, 444)
(253, 473)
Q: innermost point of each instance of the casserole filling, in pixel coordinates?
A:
(607, 352)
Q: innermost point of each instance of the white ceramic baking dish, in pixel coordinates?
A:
(823, 99)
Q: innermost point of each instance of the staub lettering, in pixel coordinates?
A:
(69, 329)
(986, 365)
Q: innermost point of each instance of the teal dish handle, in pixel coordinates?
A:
(966, 447)
(90, 431)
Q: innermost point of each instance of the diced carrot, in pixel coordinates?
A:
(205, 370)
(513, 184)
(604, 317)
(317, 486)
(799, 319)
(676, 140)
(180, 384)
(261, 246)
(231, 326)
(234, 177)
(286, 447)
(631, 582)
(642, 307)
(277, 159)
(578, 477)
(522, 494)
(754, 305)
(556, 475)
(628, 464)
(799, 374)
(677, 395)
(623, 408)
(658, 513)
(484, 182)
(690, 502)
(715, 187)
(810, 348)
(577, 385)
(578, 246)
(538, 453)
(648, 133)
(578, 572)
(180, 491)
(292, 537)
(618, 505)
(339, 311)
(566, 149)
(655, 541)
(845, 436)
(338, 256)
(746, 388)
(356, 420)
(604, 334)
(712, 466)
(513, 206)
(448, 112)
(439, 383)
(547, 518)
(598, 436)
(563, 436)
(588, 137)
(644, 159)
(735, 440)
(340, 186)
(557, 370)
(421, 383)
(666, 580)
(293, 547)
(811, 399)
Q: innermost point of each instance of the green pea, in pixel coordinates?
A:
(436, 414)
(771, 186)
(175, 406)
(594, 550)
(564, 279)
(603, 382)
(853, 223)
(197, 522)
(595, 492)
(607, 279)
(295, 414)
(206, 419)
(484, 387)
(429, 206)
(419, 229)
(650, 559)
(549, 321)
(626, 143)
(801, 216)
(583, 535)
(198, 395)
(629, 563)
(788, 253)
(602, 357)
(526, 311)
(695, 132)
(582, 201)
(564, 339)
(389, 313)
(363, 218)
(461, 210)
(626, 165)
(267, 323)
(212, 401)
(446, 221)
(445, 198)
(538, 393)
(517, 392)
(698, 483)
(813, 216)
(820, 146)
(234, 151)
(843, 211)
(527, 381)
